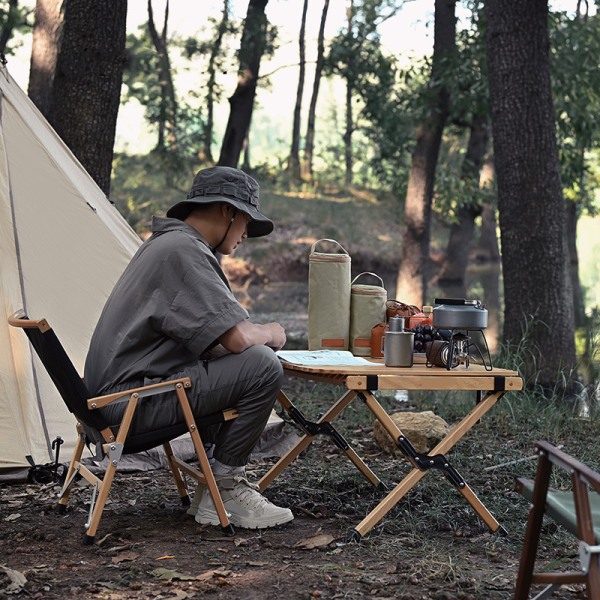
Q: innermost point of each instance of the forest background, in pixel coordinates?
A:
(412, 132)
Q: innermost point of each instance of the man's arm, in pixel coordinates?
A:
(245, 334)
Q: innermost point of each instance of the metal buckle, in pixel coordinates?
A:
(585, 555)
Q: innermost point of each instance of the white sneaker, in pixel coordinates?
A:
(244, 504)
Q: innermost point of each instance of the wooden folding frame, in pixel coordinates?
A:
(89, 419)
(577, 510)
(361, 382)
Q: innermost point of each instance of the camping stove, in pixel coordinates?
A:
(455, 320)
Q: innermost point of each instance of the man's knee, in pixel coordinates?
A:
(267, 365)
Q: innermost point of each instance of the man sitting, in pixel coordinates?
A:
(172, 314)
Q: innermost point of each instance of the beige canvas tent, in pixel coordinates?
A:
(62, 247)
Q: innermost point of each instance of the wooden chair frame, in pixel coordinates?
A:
(114, 447)
(580, 523)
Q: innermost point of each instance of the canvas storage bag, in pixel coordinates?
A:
(367, 308)
(328, 298)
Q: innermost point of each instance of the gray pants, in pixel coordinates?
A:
(249, 382)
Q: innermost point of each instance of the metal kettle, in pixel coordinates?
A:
(458, 313)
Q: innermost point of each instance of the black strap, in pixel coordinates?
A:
(372, 382)
(235, 213)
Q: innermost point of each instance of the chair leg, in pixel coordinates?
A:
(529, 553)
(181, 488)
(211, 483)
(593, 579)
(113, 461)
(104, 489)
(534, 527)
(226, 525)
(215, 494)
(69, 479)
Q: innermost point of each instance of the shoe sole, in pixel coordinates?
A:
(205, 517)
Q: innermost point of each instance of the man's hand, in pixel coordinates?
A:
(246, 334)
(277, 335)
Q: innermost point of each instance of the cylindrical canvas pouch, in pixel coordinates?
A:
(328, 298)
(367, 308)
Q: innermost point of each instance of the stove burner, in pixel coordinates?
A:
(457, 348)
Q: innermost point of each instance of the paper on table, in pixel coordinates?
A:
(309, 358)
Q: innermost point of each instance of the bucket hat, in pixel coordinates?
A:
(225, 184)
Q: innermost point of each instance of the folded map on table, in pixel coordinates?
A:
(321, 357)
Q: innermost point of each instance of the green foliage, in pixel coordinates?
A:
(13, 19)
(464, 73)
(147, 81)
(141, 74)
(383, 111)
(143, 82)
(146, 185)
(355, 52)
(575, 47)
(206, 50)
(523, 356)
(454, 191)
(194, 46)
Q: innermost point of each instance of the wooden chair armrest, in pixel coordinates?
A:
(568, 463)
(147, 390)
(17, 320)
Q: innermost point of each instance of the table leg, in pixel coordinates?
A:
(408, 482)
(478, 506)
(312, 429)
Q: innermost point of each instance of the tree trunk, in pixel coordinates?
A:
(349, 93)
(572, 217)
(246, 154)
(294, 159)
(87, 84)
(348, 158)
(414, 268)
(46, 37)
(211, 84)
(488, 239)
(490, 284)
(309, 142)
(462, 232)
(488, 234)
(167, 119)
(242, 101)
(537, 290)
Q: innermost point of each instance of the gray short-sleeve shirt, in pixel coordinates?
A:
(171, 304)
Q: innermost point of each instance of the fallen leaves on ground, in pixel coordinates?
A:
(322, 540)
(17, 580)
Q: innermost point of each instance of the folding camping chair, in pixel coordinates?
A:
(577, 510)
(93, 428)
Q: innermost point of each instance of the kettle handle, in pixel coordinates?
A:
(452, 301)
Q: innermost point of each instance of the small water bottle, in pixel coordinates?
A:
(397, 344)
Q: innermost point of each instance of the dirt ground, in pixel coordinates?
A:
(430, 546)
(147, 547)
